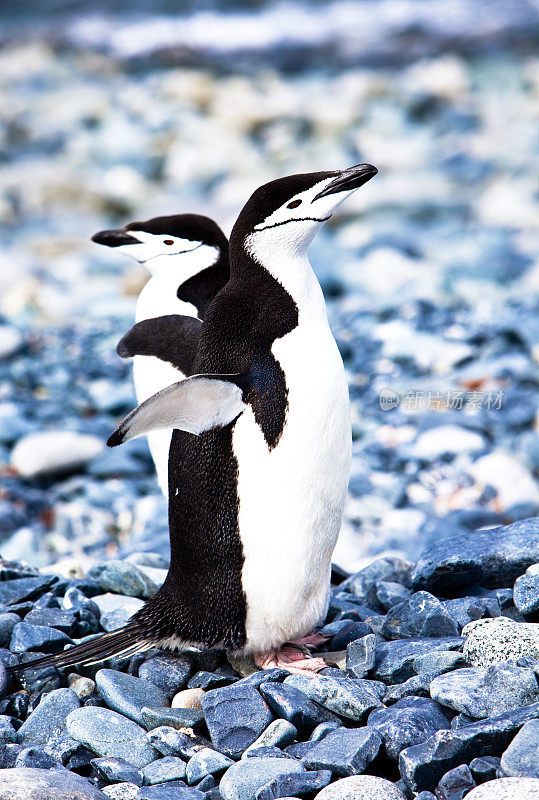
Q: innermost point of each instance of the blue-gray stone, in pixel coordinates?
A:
(363, 583)
(169, 672)
(116, 609)
(493, 558)
(389, 594)
(297, 783)
(344, 751)
(279, 733)
(174, 717)
(485, 768)
(64, 621)
(349, 697)
(456, 783)
(170, 791)
(526, 594)
(243, 780)
(37, 638)
(482, 693)
(394, 660)
(121, 577)
(408, 722)
(5, 680)
(206, 762)
(360, 656)
(438, 662)
(128, 695)
(521, 759)
(168, 768)
(171, 742)
(22, 783)
(117, 770)
(268, 751)
(7, 623)
(107, 733)
(291, 704)
(7, 731)
(422, 765)
(35, 758)
(350, 633)
(209, 680)
(235, 715)
(49, 718)
(421, 616)
(21, 589)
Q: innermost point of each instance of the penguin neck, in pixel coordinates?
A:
(289, 266)
(160, 294)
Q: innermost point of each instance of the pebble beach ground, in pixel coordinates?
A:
(431, 278)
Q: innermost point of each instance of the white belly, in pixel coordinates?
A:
(292, 498)
(150, 374)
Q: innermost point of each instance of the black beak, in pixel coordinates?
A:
(348, 179)
(114, 238)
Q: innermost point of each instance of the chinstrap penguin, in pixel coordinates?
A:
(187, 258)
(256, 495)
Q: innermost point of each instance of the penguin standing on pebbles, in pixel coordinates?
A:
(256, 495)
(187, 258)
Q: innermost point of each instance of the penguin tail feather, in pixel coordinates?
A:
(125, 641)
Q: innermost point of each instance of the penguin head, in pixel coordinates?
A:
(287, 213)
(153, 242)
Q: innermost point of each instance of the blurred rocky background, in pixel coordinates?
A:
(115, 111)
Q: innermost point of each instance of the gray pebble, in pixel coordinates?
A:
(37, 784)
(128, 695)
(344, 751)
(206, 762)
(168, 768)
(243, 780)
(521, 759)
(49, 718)
(482, 693)
(107, 733)
(350, 698)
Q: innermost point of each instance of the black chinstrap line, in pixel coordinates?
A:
(298, 219)
(176, 253)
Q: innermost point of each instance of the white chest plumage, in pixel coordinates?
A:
(150, 374)
(291, 498)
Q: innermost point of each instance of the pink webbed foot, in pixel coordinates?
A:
(292, 658)
(312, 639)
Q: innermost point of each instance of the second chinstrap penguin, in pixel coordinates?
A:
(256, 495)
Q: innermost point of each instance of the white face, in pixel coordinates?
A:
(294, 225)
(154, 250)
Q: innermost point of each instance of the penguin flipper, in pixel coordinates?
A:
(173, 338)
(196, 404)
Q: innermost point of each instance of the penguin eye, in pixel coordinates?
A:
(294, 204)
(168, 241)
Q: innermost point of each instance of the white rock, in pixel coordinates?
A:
(10, 341)
(505, 789)
(492, 641)
(511, 479)
(446, 439)
(401, 341)
(188, 698)
(361, 787)
(53, 451)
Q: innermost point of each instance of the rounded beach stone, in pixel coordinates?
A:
(36, 784)
(505, 789)
(244, 779)
(107, 733)
(361, 787)
(52, 452)
(491, 641)
(188, 698)
(521, 759)
(129, 695)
